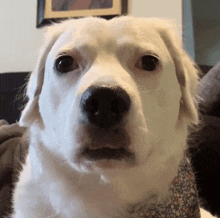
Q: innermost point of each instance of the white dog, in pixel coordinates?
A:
(108, 111)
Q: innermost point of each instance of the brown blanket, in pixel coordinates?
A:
(12, 153)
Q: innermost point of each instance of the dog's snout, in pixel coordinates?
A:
(104, 106)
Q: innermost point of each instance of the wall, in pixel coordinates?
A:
(188, 30)
(20, 39)
(207, 46)
(206, 31)
(171, 9)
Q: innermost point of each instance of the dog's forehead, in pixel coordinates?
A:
(124, 29)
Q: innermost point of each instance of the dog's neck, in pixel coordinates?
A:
(182, 200)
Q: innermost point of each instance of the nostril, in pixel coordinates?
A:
(118, 106)
(115, 106)
(104, 105)
(91, 106)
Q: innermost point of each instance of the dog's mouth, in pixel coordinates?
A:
(104, 144)
(106, 153)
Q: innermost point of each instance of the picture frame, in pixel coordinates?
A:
(49, 11)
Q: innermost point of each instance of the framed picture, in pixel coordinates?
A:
(53, 10)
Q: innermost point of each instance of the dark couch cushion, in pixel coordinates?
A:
(204, 149)
(209, 91)
(11, 92)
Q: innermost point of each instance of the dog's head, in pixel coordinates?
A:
(114, 96)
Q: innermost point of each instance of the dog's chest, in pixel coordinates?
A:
(100, 201)
(88, 201)
(89, 197)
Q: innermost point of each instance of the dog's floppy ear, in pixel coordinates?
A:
(31, 112)
(186, 70)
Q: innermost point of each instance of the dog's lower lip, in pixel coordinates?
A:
(105, 153)
(101, 146)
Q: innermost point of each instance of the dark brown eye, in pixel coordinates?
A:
(65, 64)
(148, 63)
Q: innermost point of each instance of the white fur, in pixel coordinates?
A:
(54, 183)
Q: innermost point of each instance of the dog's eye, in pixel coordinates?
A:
(65, 64)
(148, 63)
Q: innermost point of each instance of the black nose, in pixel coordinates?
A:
(104, 106)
